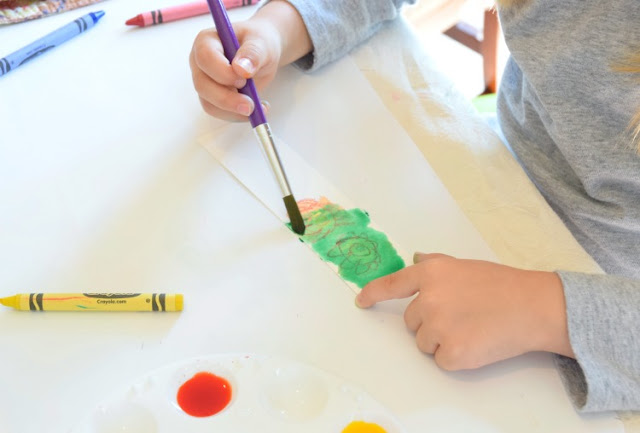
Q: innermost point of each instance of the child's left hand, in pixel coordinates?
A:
(470, 313)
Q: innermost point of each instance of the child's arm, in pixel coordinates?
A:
(603, 315)
(336, 27)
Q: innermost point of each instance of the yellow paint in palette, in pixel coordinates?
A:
(363, 427)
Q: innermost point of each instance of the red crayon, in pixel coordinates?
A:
(178, 12)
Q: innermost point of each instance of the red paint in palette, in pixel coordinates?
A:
(205, 394)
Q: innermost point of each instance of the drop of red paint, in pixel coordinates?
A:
(205, 394)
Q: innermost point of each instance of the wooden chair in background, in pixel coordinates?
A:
(445, 16)
(484, 42)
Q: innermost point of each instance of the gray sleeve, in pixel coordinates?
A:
(603, 313)
(338, 26)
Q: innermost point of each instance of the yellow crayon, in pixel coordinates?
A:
(94, 302)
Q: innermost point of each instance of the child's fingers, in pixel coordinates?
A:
(223, 97)
(421, 257)
(216, 112)
(226, 115)
(426, 341)
(251, 56)
(412, 315)
(400, 284)
(208, 56)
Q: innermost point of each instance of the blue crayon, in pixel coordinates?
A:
(49, 41)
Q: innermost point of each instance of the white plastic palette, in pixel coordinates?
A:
(268, 395)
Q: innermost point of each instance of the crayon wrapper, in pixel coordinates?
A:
(100, 302)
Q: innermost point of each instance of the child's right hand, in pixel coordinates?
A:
(217, 82)
(275, 36)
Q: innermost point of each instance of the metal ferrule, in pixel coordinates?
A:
(263, 132)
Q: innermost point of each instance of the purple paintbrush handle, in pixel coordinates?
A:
(230, 45)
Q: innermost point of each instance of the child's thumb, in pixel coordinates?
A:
(249, 58)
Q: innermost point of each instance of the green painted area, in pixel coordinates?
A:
(344, 238)
(485, 103)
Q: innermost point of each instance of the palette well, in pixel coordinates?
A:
(240, 393)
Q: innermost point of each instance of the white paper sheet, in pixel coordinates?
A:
(358, 159)
(336, 139)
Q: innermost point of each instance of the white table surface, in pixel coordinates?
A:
(104, 186)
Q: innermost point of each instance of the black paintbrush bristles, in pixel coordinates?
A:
(297, 223)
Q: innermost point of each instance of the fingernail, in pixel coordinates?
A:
(357, 301)
(244, 109)
(240, 83)
(265, 106)
(416, 256)
(246, 64)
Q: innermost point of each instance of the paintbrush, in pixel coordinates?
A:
(257, 118)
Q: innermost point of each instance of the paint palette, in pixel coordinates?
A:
(240, 393)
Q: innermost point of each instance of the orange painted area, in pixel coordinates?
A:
(309, 205)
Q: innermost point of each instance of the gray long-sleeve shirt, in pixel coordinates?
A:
(565, 112)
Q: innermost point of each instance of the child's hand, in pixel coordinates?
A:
(217, 82)
(275, 36)
(471, 313)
